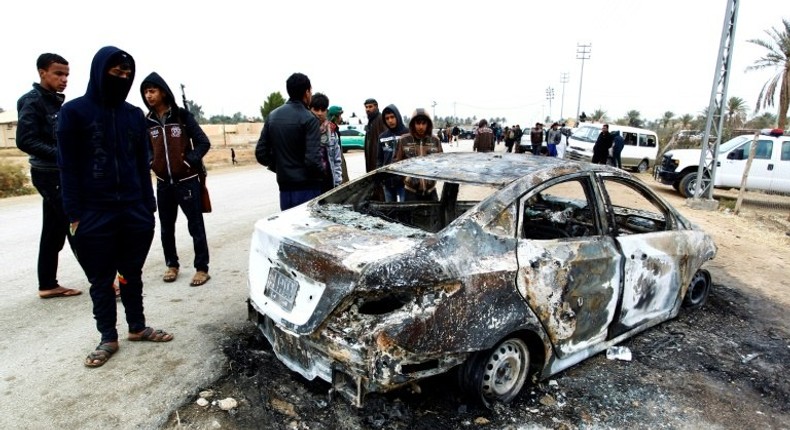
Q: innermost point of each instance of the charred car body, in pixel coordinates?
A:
(524, 267)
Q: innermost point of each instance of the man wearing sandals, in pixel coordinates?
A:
(179, 145)
(103, 155)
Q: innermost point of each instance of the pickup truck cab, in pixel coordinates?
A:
(770, 170)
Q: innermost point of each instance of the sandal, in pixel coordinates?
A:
(170, 274)
(200, 278)
(151, 335)
(101, 354)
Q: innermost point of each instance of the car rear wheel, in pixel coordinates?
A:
(496, 375)
(699, 290)
(642, 167)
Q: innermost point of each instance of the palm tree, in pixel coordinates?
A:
(667, 118)
(634, 119)
(685, 121)
(736, 112)
(766, 120)
(598, 116)
(778, 57)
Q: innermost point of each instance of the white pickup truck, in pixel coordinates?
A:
(770, 170)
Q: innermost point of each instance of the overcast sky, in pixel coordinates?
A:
(484, 58)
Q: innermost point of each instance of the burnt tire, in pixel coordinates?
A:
(698, 291)
(496, 375)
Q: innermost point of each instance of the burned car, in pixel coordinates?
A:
(523, 267)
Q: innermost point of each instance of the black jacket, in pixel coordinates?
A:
(290, 146)
(389, 138)
(35, 130)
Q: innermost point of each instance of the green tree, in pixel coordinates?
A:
(272, 102)
(197, 111)
(778, 57)
(766, 120)
(667, 119)
(685, 121)
(634, 118)
(598, 116)
(736, 113)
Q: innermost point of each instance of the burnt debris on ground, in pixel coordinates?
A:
(723, 366)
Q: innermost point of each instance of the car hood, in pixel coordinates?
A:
(324, 252)
(683, 154)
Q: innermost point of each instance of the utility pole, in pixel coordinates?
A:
(583, 52)
(433, 105)
(564, 78)
(706, 172)
(549, 97)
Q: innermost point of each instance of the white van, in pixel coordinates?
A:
(639, 153)
(770, 170)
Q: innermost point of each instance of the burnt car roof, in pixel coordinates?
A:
(486, 168)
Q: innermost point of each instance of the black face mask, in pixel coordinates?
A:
(115, 90)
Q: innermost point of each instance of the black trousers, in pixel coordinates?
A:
(54, 226)
(110, 242)
(186, 195)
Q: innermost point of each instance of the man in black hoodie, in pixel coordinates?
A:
(108, 196)
(393, 189)
(179, 145)
(35, 135)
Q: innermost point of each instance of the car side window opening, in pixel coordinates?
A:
(630, 138)
(785, 150)
(647, 140)
(631, 210)
(559, 211)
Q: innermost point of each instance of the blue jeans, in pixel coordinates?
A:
(289, 199)
(186, 195)
(394, 193)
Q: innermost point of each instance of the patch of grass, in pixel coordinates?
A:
(14, 180)
(727, 203)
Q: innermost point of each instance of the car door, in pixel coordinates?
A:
(780, 181)
(653, 252)
(568, 270)
(729, 173)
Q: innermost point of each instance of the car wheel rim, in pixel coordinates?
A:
(642, 167)
(506, 370)
(697, 288)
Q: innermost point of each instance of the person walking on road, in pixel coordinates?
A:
(35, 135)
(108, 197)
(179, 145)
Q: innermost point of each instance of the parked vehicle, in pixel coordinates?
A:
(639, 153)
(523, 266)
(770, 169)
(351, 137)
(466, 134)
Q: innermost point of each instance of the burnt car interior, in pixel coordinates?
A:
(559, 211)
(364, 196)
(633, 210)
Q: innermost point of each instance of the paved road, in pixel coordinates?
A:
(43, 383)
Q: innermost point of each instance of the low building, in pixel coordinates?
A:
(8, 120)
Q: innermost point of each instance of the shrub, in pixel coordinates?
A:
(14, 180)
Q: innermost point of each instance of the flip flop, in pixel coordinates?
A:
(67, 292)
(170, 274)
(200, 278)
(150, 335)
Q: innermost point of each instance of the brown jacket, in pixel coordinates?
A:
(410, 146)
(484, 140)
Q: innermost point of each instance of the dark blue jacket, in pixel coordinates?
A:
(103, 147)
(389, 138)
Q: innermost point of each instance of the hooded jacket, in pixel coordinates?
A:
(389, 138)
(178, 143)
(35, 131)
(103, 145)
(412, 146)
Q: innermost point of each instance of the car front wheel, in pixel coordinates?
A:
(699, 290)
(498, 374)
(689, 182)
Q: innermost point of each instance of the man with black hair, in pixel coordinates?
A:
(330, 143)
(388, 140)
(418, 142)
(103, 154)
(179, 145)
(290, 145)
(373, 130)
(35, 135)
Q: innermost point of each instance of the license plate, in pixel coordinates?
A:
(281, 289)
